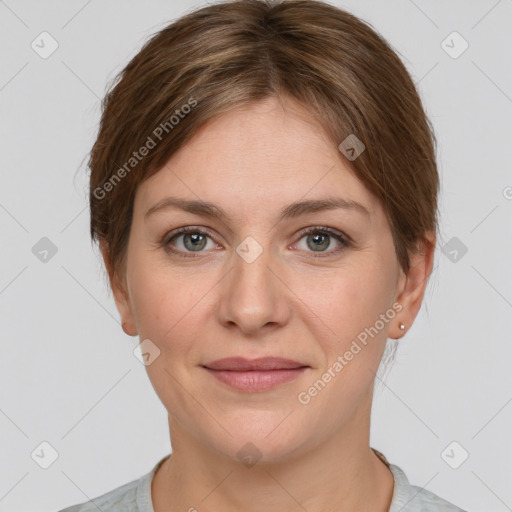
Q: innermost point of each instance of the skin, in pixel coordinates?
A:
(285, 303)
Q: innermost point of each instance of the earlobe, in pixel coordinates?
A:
(123, 304)
(413, 283)
(121, 296)
(129, 329)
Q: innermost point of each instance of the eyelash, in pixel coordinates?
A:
(344, 240)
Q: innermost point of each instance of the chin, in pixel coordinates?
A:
(265, 442)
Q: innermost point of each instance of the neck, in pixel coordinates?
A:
(350, 476)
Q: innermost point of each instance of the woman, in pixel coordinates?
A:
(264, 192)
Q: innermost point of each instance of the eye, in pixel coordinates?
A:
(188, 240)
(319, 239)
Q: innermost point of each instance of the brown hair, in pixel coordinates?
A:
(233, 53)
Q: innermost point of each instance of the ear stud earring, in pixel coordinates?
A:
(402, 327)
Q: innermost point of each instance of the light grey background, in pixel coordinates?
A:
(68, 375)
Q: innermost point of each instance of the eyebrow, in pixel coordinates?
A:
(207, 209)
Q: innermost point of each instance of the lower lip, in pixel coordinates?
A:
(256, 380)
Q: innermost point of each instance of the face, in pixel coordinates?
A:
(263, 279)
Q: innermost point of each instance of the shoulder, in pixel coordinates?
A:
(135, 496)
(411, 498)
(126, 498)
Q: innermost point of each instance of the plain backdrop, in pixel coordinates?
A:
(70, 385)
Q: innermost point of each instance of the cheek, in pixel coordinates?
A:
(349, 299)
(167, 304)
(169, 310)
(350, 308)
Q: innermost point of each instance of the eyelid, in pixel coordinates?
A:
(328, 230)
(342, 238)
(187, 229)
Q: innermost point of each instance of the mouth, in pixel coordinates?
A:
(241, 364)
(255, 375)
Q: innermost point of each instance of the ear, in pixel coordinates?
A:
(411, 287)
(121, 296)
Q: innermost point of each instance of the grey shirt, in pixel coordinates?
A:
(135, 496)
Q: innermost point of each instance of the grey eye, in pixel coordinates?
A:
(318, 240)
(191, 241)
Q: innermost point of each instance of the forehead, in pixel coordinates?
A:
(270, 152)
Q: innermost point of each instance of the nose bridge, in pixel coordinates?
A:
(252, 295)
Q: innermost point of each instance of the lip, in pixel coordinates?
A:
(257, 374)
(240, 364)
(256, 380)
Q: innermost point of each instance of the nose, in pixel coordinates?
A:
(253, 296)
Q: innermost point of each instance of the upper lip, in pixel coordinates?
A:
(263, 363)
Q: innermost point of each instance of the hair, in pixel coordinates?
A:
(234, 53)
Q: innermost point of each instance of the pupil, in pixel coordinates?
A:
(195, 237)
(198, 241)
(319, 238)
